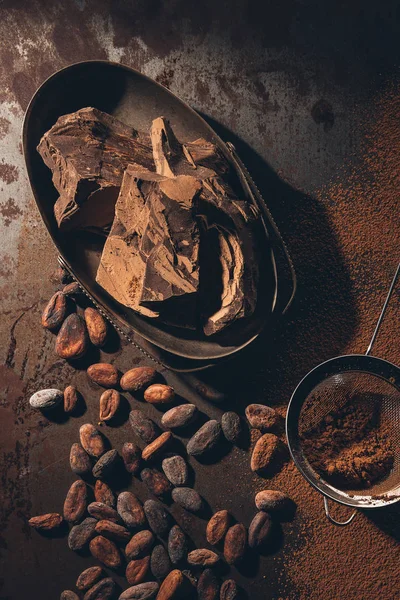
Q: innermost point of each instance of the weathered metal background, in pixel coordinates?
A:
(294, 85)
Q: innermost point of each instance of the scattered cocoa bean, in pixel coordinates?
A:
(103, 590)
(72, 289)
(96, 326)
(103, 374)
(79, 460)
(144, 427)
(158, 446)
(158, 517)
(139, 545)
(217, 527)
(260, 530)
(159, 393)
(136, 570)
(156, 481)
(68, 595)
(208, 586)
(138, 378)
(172, 586)
(60, 275)
(89, 577)
(103, 512)
(235, 544)
(109, 404)
(105, 551)
(76, 502)
(46, 399)
(203, 557)
(131, 510)
(205, 439)
(143, 591)
(266, 454)
(72, 340)
(160, 564)
(261, 417)
(71, 399)
(92, 440)
(80, 535)
(176, 470)
(103, 493)
(55, 312)
(113, 531)
(179, 416)
(106, 464)
(187, 498)
(46, 522)
(229, 590)
(231, 426)
(177, 545)
(131, 455)
(274, 501)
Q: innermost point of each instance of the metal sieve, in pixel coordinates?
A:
(369, 386)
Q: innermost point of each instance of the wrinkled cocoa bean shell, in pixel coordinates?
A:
(80, 535)
(72, 289)
(103, 493)
(160, 563)
(176, 470)
(172, 586)
(143, 427)
(131, 510)
(140, 545)
(159, 393)
(187, 498)
(156, 481)
(205, 439)
(96, 326)
(208, 586)
(76, 502)
(229, 590)
(71, 399)
(79, 460)
(46, 522)
(217, 527)
(46, 399)
(103, 374)
(267, 453)
(105, 551)
(235, 544)
(106, 465)
(103, 590)
(89, 577)
(109, 404)
(55, 312)
(92, 440)
(143, 591)
(137, 570)
(203, 557)
(132, 457)
(68, 595)
(103, 512)
(231, 427)
(177, 545)
(138, 378)
(260, 530)
(158, 517)
(275, 502)
(113, 531)
(159, 445)
(72, 340)
(261, 417)
(179, 416)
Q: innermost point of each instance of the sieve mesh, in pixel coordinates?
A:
(370, 396)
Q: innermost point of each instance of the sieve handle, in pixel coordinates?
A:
(332, 520)
(390, 292)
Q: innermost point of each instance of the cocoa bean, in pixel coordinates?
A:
(72, 340)
(203, 557)
(177, 545)
(103, 590)
(106, 465)
(235, 544)
(172, 586)
(231, 427)
(46, 522)
(205, 439)
(103, 512)
(158, 517)
(72, 289)
(139, 545)
(261, 417)
(89, 577)
(96, 326)
(109, 404)
(103, 374)
(76, 502)
(275, 502)
(187, 498)
(60, 275)
(80, 535)
(105, 551)
(138, 378)
(79, 460)
(55, 312)
(92, 440)
(159, 393)
(157, 483)
(158, 446)
(217, 527)
(143, 427)
(113, 531)
(68, 595)
(46, 399)
(132, 455)
(176, 470)
(267, 452)
(71, 399)
(260, 530)
(131, 510)
(229, 590)
(136, 570)
(143, 591)
(208, 586)
(179, 416)
(103, 493)
(160, 564)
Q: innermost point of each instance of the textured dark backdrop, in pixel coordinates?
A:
(298, 86)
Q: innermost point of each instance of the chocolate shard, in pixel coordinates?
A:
(88, 152)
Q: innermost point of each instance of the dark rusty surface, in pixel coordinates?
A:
(291, 81)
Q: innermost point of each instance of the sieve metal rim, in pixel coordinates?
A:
(334, 366)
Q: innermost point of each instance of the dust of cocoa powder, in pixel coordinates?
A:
(361, 561)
